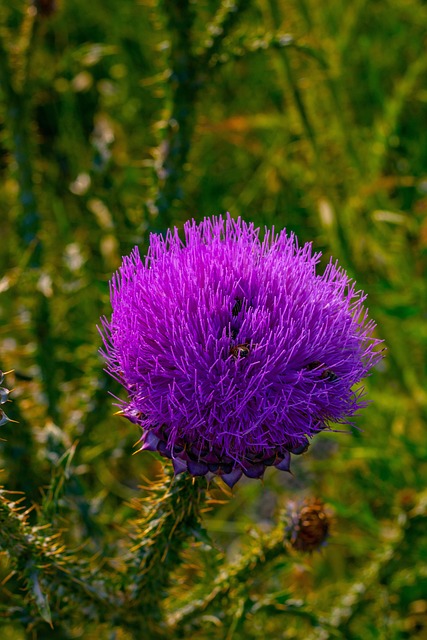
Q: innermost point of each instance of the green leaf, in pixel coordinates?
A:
(41, 599)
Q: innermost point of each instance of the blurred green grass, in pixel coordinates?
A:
(332, 146)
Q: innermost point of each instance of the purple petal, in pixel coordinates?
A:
(232, 478)
(164, 450)
(285, 464)
(301, 448)
(197, 468)
(179, 466)
(150, 442)
(254, 471)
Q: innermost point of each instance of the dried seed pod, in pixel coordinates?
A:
(309, 524)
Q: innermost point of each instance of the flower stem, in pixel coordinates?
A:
(173, 151)
(245, 569)
(409, 529)
(188, 73)
(170, 519)
(14, 82)
(41, 560)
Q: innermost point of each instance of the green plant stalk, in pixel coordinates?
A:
(305, 119)
(340, 232)
(171, 517)
(16, 86)
(244, 570)
(228, 14)
(187, 74)
(410, 528)
(386, 125)
(41, 561)
(28, 224)
(174, 148)
(242, 47)
(60, 475)
(14, 83)
(333, 88)
(270, 605)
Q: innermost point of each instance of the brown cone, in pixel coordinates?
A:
(310, 524)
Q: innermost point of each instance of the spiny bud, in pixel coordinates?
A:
(309, 524)
(4, 397)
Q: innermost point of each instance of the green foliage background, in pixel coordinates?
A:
(119, 118)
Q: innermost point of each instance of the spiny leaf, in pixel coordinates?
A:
(40, 597)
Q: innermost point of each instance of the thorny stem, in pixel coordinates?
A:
(175, 146)
(16, 87)
(226, 17)
(187, 75)
(410, 527)
(39, 554)
(14, 83)
(170, 519)
(41, 559)
(245, 569)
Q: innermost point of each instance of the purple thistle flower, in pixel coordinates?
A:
(232, 350)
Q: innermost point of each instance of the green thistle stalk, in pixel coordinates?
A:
(171, 517)
(245, 569)
(173, 151)
(409, 529)
(40, 560)
(232, 582)
(187, 74)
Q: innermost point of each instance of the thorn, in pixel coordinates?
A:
(138, 451)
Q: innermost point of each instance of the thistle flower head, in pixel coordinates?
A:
(233, 351)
